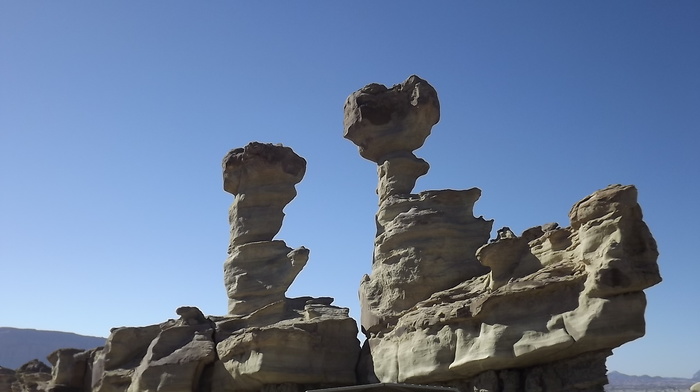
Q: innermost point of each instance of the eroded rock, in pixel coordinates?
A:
(567, 292)
(259, 270)
(540, 311)
(425, 242)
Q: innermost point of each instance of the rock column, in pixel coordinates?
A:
(259, 270)
(424, 242)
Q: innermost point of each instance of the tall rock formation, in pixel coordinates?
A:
(265, 342)
(259, 270)
(442, 305)
(427, 241)
(539, 311)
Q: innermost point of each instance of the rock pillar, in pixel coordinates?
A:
(259, 270)
(424, 242)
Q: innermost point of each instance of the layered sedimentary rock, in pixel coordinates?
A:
(528, 312)
(268, 338)
(32, 376)
(266, 341)
(443, 305)
(259, 270)
(424, 242)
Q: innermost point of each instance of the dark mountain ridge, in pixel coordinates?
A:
(622, 382)
(19, 346)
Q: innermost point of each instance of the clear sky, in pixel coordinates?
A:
(114, 117)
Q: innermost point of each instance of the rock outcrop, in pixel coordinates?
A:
(267, 341)
(32, 376)
(444, 306)
(424, 242)
(259, 270)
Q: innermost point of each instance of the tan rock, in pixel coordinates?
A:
(114, 366)
(387, 125)
(33, 376)
(258, 274)
(259, 270)
(382, 121)
(262, 177)
(72, 368)
(425, 242)
(544, 300)
(175, 360)
(319, 347)
(695, 387)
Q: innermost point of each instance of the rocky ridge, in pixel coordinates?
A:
(443, 305)
(619, 382)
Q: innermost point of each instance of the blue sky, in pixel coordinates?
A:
(114, 117)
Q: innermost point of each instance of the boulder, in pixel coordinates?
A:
(31, 376)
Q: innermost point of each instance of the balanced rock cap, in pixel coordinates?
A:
(259, 164)
(384, 122)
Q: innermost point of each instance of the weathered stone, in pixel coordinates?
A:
(262, 177)
(387, 125)
(553, 307)
(72, 369)
(34, 366)
(125, 348)
(30, 377)
(175, 360)
(258, 274)
(259, 270)
(318, 348)
(382, 121)
(425, 242)
(442, 304)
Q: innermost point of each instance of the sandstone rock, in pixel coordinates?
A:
(175, 360)
(258, 274)
(114, 366)
(387, 125)
(316, 345)
(443, 304)
(259, 270)
(34, 366)
(262, 177)
(554, 306)
(424, 242)
(695, 387)
(382, 121)
(267, 341)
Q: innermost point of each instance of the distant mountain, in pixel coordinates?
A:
(19, 346)
(619, 382)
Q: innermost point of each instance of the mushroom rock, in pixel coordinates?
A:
(258, 270)
(267, 339)
(262, 177)
(425, 242)
(443, 305)
(388, 124)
